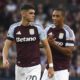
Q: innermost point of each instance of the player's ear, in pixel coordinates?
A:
(23, 13)
(63, 18)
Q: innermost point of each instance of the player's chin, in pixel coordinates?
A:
(55, 23)
(31, 20)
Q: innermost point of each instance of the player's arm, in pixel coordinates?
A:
(7, 45)
(64, 50)
(69, 45)
(44, 43)
(49, 57)
(43, 38)
(48, 51)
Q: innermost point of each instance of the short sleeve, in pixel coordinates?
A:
(10, 34)
(42, 34)
(46, 30)
(70, 38)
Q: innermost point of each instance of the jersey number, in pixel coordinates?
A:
(30, 77)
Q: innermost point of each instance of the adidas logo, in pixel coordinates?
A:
(18, 33)
(50, 34)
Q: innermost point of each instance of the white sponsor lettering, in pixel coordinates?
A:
(25, 39)
(59, 43)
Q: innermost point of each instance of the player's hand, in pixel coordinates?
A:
(50, 72)
(51, 40)
(6, 63)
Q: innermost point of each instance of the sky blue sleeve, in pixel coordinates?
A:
(10, 33)
(46, 30)
(42, 33)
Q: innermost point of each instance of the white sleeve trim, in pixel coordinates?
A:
(69, 44)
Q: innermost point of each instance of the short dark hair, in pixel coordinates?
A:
(60, 9)
(27, 7)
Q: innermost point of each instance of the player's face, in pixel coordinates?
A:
(57, 17)
(28, 15)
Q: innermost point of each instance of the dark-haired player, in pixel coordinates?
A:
(27, 36)
(61, 40)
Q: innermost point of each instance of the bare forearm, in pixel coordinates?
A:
(63, 50)
(48, 51)
(6, 47)
(49, 55)
(5, 52)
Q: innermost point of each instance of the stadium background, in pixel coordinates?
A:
(9, 13)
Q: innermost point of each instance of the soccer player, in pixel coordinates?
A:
(61, 40)
(27, 35)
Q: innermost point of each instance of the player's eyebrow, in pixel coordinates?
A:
(31, 12)
(55, 15)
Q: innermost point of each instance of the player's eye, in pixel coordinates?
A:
(55, 16)
(31, 13)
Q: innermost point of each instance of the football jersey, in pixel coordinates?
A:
(27, 40)
(64, 37)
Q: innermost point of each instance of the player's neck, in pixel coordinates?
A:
(60, 26)
(24, 22)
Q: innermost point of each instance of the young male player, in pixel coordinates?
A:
(27, 36)
(61, 40)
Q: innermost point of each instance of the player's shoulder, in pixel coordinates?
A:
(69, 31)
(38, 26)
(51, 26)
(14, 25)
(66, 27)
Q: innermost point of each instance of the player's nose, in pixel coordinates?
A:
(33, 15)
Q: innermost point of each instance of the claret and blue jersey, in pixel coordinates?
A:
(64, 38)
(27, 40)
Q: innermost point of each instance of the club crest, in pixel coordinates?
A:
(31, 31)
(61, 35)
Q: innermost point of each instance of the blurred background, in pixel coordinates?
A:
(9, 13)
